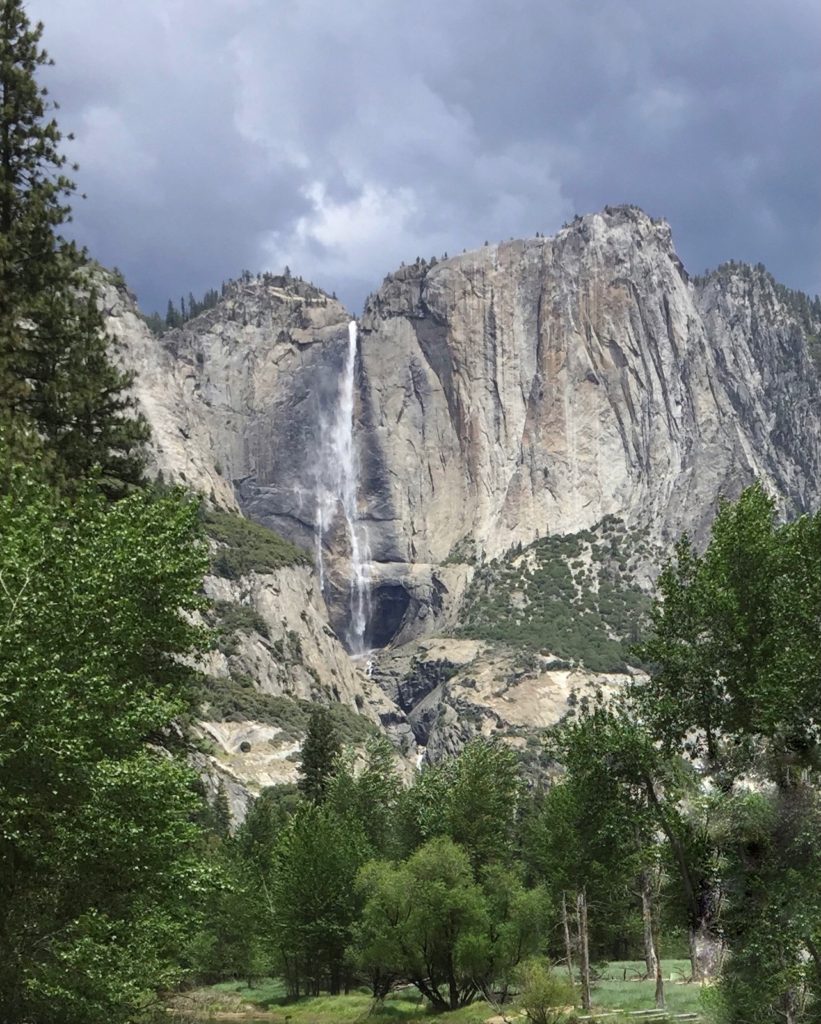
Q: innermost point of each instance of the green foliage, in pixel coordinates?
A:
(266, 818)
(519, 919)
(463, 553)
(237, 699)
(320, 752)
(368, 792)
(571, 595)
(245, 546)
(419, 917)
(230, 943)
(56, 381)
(599, 829)
(736, 642)
(428, 920)
(736, 655)
(175, 317)
(192, 307)
(543, 995)
(99, 863)
(313, 902)
(473, 799)
(232, 618)
(773, 919)
(482, 802)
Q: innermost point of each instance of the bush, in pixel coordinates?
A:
(544, 997)
(245, 546)
(236, 699)
(233, 618)
(591, 618)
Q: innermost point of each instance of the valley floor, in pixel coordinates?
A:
(619, 988)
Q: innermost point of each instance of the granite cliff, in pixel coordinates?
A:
(526, 390)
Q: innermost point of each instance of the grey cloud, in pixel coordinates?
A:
(342, 138)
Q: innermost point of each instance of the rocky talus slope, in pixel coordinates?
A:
(529, 390)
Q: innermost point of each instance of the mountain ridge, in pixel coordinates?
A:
(523, 390)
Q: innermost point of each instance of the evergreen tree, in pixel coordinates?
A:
(319, 755)
(56, 382)
(313, 899)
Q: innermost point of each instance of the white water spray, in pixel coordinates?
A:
(337, 488)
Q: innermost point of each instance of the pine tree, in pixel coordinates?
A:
(57, 385)
(319, 754)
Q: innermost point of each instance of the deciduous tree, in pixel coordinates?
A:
(99, 855)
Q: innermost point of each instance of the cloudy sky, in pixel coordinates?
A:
(341, 137)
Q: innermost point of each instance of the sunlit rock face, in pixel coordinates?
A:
(524, 389)
(536, 386)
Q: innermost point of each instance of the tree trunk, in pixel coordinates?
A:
(650, 956)
(453, 988)
(568, 945)
(584, 949)
(705, 952)
(654, 934)
(789, 1006)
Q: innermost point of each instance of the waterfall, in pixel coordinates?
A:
(337, 490)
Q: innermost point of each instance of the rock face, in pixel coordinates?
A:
(522, 390)
(298, 655)
(456, 689)
(537, 386)
(220, 395)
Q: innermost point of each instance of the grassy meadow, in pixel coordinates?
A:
(618, 989)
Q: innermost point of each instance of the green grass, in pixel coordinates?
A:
(268, 995)
(619, 988)
(246, 546)
(610, 992)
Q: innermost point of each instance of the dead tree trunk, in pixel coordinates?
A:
(568, 945)
(584, 948)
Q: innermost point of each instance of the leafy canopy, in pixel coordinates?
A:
(99, 865)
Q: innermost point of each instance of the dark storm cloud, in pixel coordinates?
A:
(342, 138)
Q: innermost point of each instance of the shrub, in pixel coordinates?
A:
(564, 614)
(245, 546)
(544, 997)
(233, 618)
(236, 699)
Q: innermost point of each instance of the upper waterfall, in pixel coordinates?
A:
(337, 490)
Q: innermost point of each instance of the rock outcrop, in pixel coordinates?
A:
(220, 394)
(524, 389)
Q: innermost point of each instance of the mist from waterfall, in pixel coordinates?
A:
(337, 489)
